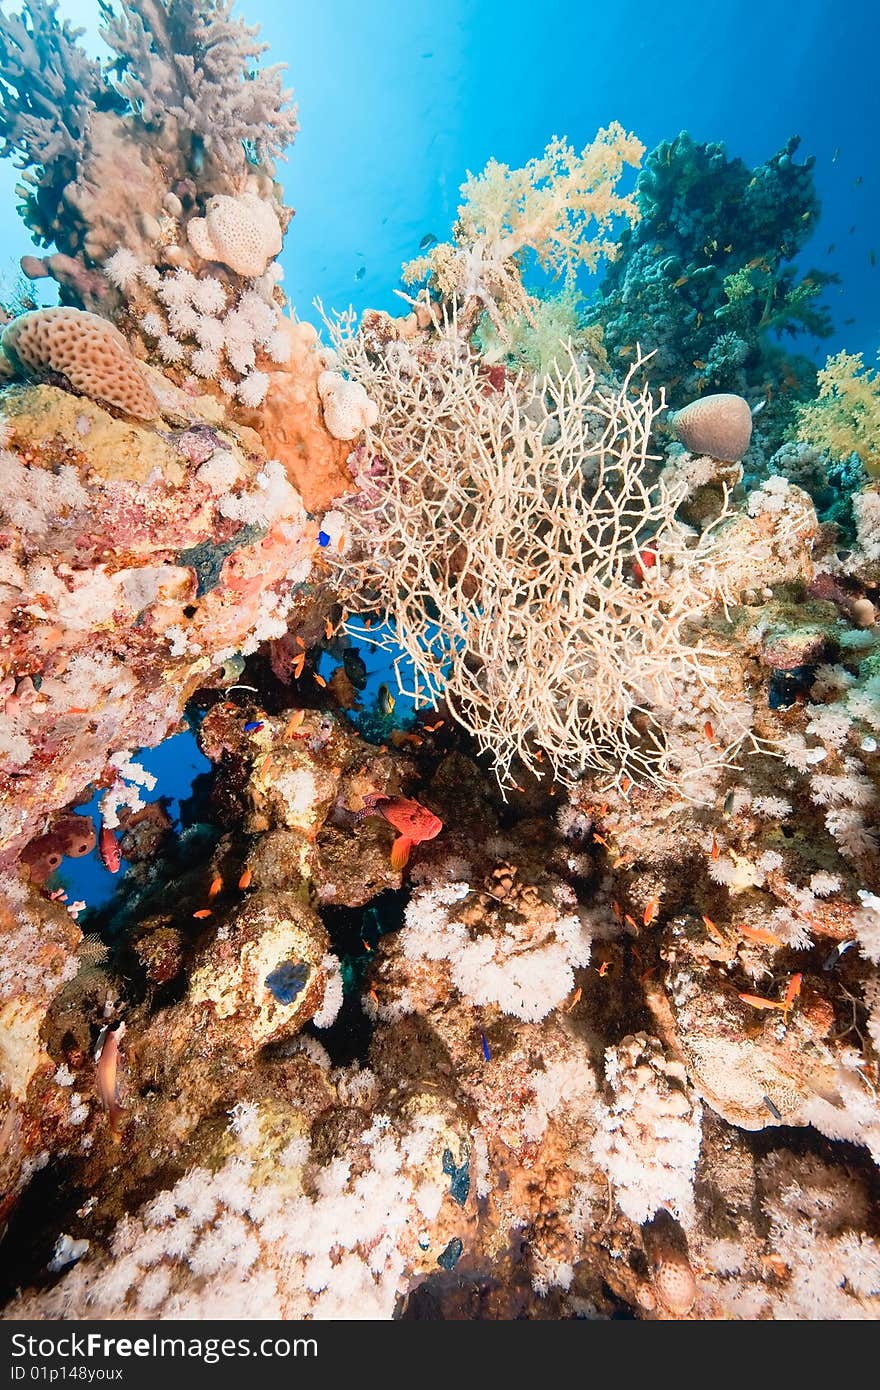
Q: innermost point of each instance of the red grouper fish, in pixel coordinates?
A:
(108, 847)
(411, 819)
(106, 1080)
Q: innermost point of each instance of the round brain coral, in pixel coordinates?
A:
(241, 232)
(87, 350)
(719, 425)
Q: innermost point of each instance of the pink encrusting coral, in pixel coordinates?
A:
(209, 548)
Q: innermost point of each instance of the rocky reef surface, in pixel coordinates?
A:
(543, 984)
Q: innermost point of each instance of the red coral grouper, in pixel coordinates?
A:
(413, 820)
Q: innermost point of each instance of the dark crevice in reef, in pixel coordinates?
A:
(47, 1206)
(355, 933)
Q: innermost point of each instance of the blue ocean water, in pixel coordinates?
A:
(398, 100)
(175, 764)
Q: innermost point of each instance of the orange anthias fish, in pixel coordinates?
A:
(411, 819)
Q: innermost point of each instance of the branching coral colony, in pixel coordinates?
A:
(539, 582)
(586, 1006)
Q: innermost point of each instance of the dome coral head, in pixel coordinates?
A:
(719, 426)
(90, 352)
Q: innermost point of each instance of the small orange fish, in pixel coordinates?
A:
(215, 888)
(294, 722)
(754, 263)
(106, 1079)
(299, 642)
(299, 666)
(329, 629)
(600, 840)
(203, 912)
(375, 998)
(77, 709)
(709, 731)
(617, 910)
(626, 785)
(699, 318)
(794, 989)
(758, 1003)
(410, 818)
(602, 970)
(715, 851)
(432, 728)
(368, 623)
(631, 922)
(710, 926)
(766, 938)
(575, 999)
(245, 880)
(651, 911)
(319, 680)
(340, 544)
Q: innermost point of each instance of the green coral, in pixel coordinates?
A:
(705, 279)
(538, 340)
(845, 417)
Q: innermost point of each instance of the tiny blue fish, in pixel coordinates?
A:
(323, 538)
(450, 1257)
(427, 240)
(486, 1053)
(252, 725)
(360, 272)
(287, 980)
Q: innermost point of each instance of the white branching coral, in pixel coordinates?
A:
(648, 1140)
(501, 528)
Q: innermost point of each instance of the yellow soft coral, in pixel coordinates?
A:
(845, 417)
(562, 206)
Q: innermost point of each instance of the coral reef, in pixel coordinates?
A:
(845, 417)
(550, 986)
(705, 277)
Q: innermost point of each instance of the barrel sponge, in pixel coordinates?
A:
(347, 407)
(242, 233)
(720, 426)
(86, 349)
